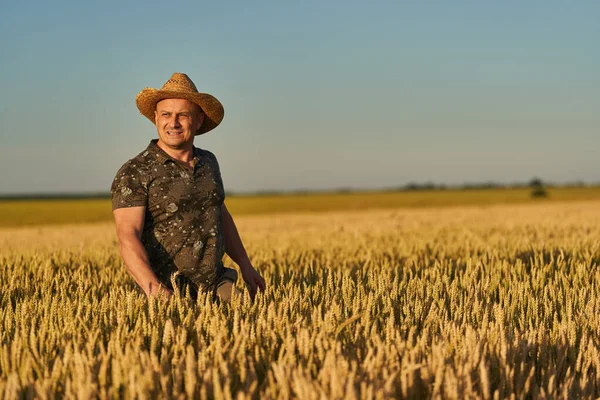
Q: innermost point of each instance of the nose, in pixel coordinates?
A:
(175, 121)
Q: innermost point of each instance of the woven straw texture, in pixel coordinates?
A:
(180, 86)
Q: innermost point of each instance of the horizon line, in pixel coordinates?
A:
(407, 187)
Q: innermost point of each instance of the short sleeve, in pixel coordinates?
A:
(128, 188)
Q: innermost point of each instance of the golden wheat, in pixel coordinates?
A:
(477, 302)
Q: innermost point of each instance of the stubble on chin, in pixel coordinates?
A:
(174, 144)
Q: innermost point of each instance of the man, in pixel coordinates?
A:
(168, 201)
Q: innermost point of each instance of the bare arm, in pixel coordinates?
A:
(130, 223)
(236, 251)
(233, 243)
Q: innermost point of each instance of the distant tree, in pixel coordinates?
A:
(480, 186)
(537, 188)
(412, 186)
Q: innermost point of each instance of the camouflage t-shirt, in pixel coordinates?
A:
(182, 226)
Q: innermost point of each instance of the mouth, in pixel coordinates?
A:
(174, 133)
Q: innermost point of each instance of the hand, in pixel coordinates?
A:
(161, 291)
(253, 279)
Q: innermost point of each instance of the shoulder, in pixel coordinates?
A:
(135, 172)
(130, 186)
(208, 156)
(141, 164)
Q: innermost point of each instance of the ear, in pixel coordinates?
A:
(155, 117)
(200, 118)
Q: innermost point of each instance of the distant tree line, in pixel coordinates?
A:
(537, 186)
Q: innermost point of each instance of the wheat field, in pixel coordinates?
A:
(496, 301)
(35, 212)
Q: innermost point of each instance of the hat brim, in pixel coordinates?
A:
(213, 109)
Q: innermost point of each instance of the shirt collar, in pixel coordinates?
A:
(162, 155)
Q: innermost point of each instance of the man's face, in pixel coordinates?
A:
(177, 120)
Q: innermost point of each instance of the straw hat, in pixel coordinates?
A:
(180, 86)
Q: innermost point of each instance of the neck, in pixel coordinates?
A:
(184, 155)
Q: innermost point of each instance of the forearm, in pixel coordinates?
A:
(235, 249)
(233, 243)
(136, 260)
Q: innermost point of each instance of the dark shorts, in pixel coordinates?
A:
(229, 275)
(184, 284)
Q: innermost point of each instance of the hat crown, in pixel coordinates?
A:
(181, 83)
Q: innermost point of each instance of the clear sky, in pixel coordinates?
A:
(317, 94)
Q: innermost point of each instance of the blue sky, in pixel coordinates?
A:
(317, 95)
